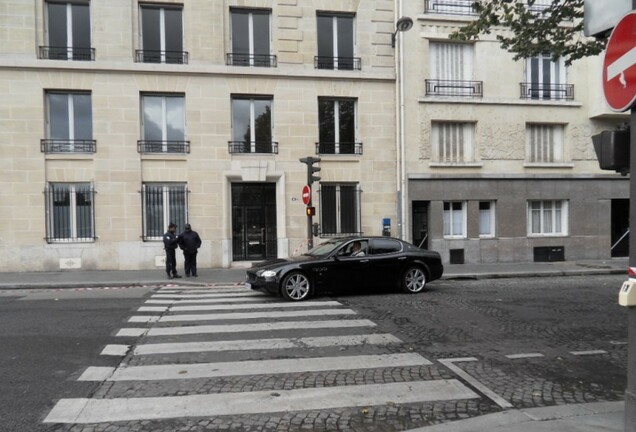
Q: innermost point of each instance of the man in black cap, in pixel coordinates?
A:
(170, 242)
(190, 242)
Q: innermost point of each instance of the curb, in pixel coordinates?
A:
(529, 274)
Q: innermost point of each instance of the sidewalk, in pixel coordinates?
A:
(119, 278)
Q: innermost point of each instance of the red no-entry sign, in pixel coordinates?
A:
(619, 66)
(306, 195)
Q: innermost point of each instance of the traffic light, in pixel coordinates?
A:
(612, 150)
(311, 169)
(311, 211)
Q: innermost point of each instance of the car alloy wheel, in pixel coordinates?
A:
(296, 287)
(414, 280)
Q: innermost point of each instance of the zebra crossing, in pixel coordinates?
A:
(186, 334)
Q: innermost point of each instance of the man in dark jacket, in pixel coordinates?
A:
(170, 242)
(190, 242)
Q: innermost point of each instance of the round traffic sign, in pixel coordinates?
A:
(306, 195)
(619, 66)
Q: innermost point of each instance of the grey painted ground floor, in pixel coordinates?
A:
(476, 219)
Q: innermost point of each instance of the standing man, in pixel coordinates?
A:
(190, 242)
(170, 242)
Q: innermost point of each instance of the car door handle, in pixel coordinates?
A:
(401, 258)
(366, 261)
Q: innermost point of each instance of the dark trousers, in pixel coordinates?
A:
(171, 262)
(190, 263)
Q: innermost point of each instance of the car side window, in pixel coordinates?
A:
(386, 246)
(356, 248)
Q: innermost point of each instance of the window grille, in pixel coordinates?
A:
(162, 204)
(70, 212)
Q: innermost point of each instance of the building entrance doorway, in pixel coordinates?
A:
(620, 227)
(253, 221)
(420, 224)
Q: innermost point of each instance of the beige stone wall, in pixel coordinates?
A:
(117, 170)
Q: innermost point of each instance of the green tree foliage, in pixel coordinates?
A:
(527, 28)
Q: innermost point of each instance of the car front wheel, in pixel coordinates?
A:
(296, 287)
(414, 280)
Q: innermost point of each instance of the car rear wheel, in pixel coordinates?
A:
(296, 287)
(414, 280)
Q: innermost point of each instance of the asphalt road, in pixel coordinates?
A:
(47, 338)
(566, 338)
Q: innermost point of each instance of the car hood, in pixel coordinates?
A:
(281, 261)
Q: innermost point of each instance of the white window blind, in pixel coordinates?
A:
(544, 143)
(451, 61)
(453, 142)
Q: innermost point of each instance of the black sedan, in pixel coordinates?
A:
(362, 263)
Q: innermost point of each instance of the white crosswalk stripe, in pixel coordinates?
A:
(177, 312)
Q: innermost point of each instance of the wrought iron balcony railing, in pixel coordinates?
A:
(454, 88)
(153, 56)
(68, 146)
(339, 63)
(547, 91)
(258, 60)
(66, 53)
(253, 147)
(155, 146)
(325, 148)
(449, 7)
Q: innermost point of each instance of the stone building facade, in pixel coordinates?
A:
(500, 165)
(119, 116)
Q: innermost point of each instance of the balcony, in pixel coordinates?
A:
(52, 146)
(338, 63)
(257, 60)
(153, 56)
(329, 148)
(454, 88)
(66, 53)
(449, 7)
(263, 147)
(547, 91)
(163, 147)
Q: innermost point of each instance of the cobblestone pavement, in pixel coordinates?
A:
(463, 331)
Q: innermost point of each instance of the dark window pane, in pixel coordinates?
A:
(484, 205)
(83, 116)
(151, 29)
(175, 118)
(153, 118)
(154, 211)
(348, 209)
(261, 33)
(58, 116)
(347, 121)
(263, 120)
(240, 32)
(83, 211)
(345, 43)
(241, 120)
(58, 40)
(61, 203)
(325, 36)
(326, 119)
(385, 246)
(177, 206)
(174, 35)
(329, 209)
(81, 28)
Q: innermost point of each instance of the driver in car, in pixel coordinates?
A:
(356, 250)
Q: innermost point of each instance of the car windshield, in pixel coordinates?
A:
(325, 248)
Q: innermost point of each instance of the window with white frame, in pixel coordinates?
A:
(548, 218)
(163, 124)
(544, 143)
(70, 212)
(546, 79)
(69, 123)
(452, 142)
(337, 126)
(486, 218)
(163, 203)
(252, 125)
(251, 38)
(68, 32)
(451, 70)
(161, 34)
(336, 41)
(339, 208)
(455, 219)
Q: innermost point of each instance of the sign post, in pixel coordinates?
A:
(619, 87)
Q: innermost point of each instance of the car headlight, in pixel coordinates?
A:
(267, 273)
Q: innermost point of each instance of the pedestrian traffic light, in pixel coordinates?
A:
(311, 211)
(612, 150)
(311, 169)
